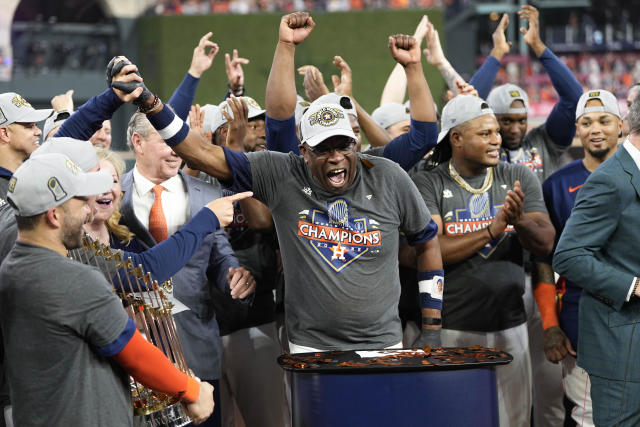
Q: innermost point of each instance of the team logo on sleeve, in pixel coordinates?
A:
(338, 238)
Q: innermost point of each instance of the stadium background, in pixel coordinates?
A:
(49, 46)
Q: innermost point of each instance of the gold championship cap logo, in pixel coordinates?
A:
(19, 101)
(12, 184)
(326, 116)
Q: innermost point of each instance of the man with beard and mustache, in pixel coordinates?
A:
(598, 123)
(64, 331)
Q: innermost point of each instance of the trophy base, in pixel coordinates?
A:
(171, 416)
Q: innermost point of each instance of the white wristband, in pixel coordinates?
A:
(433, 287)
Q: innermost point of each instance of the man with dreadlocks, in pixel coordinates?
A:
(484, 222)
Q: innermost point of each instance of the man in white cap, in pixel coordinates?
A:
(598, 122)
(484, 222)
(393, 117)
(338, 214)
(19, 134)
(49, 193)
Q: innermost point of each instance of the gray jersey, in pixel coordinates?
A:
(54, 313)
(483, 292)
(340, 251)
(538, 152)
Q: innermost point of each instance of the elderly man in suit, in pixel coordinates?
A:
(159, 199)
(597, 250)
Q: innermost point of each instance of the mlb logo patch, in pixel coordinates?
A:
(514, 94)
(3, 118)
(594, 94)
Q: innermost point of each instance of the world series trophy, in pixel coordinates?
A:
(145, 302)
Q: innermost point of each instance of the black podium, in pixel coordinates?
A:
(439, 387)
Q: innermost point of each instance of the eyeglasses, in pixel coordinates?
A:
(345, 147)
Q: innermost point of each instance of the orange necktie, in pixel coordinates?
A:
(157, 220)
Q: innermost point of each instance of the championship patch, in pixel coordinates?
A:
(593, 94)
(476, 215)
(19, 101)
(515, 94)
(338, 238)
(3, 118)
(56, 189)
(326, 116)
(12, 184)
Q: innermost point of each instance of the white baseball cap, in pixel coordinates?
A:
(609, 103)
(391, 113)
(301, 107)
(53, 121)
(501, 97)
(342, 100)
(82, 153)
(49, 180)
(210, 112)
(254, 111)
(461, 109)
(16, 109)
(322, 121)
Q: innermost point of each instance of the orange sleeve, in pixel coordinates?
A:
(148, 365)
(545, 294)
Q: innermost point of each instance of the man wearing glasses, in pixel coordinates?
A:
(338, 214)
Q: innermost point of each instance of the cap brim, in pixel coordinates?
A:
(319, 138)
(443, 133)
(34, 116)
(256, 113)
(94, 183)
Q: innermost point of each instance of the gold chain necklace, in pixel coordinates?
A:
(488, 180)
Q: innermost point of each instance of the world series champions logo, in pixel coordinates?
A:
(476, 215)
(338, 238)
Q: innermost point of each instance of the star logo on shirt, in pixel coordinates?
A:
(447, 194)
(307, 191)
(368, 196)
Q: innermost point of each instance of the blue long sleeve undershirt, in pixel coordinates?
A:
(89, 117)
(560, 123)
(167, 257)
(183, 96)
(406, 149)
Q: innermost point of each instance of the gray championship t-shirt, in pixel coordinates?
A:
(484, 292)
(54, 313)
(340, 252)
(538, 152)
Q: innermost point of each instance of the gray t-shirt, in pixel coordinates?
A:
(340, 252)
(484, 292)
(54, 313)
(538, 152)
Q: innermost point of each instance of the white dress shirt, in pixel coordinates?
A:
(175, 201)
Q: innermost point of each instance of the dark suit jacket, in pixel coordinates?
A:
(210, 264)
(599, 251)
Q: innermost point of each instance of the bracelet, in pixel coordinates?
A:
(489, 231)
(155, 105)
(431, 321)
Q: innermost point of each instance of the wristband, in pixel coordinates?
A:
(170, 127)
(431, 287)
(545, 295)
(431, 321)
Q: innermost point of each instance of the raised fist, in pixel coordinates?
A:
(295, 27)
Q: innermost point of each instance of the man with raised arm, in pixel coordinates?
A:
(338, 213)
